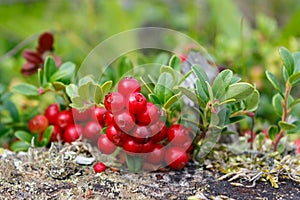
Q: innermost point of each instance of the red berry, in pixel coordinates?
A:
(150, 116)
(72, 133)
(81, 116)
(158, 131)
(64, 118)
(99, 115)
(176, 157)
(128, 85)
(156, 156)
(56, 134)
(114, 102)
(114, 135)
(136, 103)
(132, 147)
(124, 121)
(141, 134)
(92, 130)
(99, 167)
(105, 145)
(108, 118)
(38, 124)
(177, 134)
(51, 113)
(148, 147)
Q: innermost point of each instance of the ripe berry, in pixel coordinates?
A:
(72, 133)
(105, 145)
(156, 156)
(150, 116)
(92, 130)
(137, 103)
(81, 116)
(51, 113)
(148, 147)
(98, 113)
(114, 135)
(124, 121)
(108, 118)
(141, 134)
(128, 85)
(132, 147)
(64, 118)
(99, 167)
(56, 134)
(38, 124)
(177, 133)
(114, 102)
(176, 157)
(158, 131)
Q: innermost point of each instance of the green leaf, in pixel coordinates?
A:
(125, 65)
(58, 86)
(85, 79)
(210, 92)
(46, 136)
(106, 86)
(252, 101)
(72, 90)
(286, 126)
(24, 136)
(236, 119)
(201, 93)
(272, 132)
(294, 78)
(273, 80)
(297, 130)
(77, 102)
(239, 91)
(277, 104)
(192, 96)
(201, 76)
(49, 67)
(13, 111)
(41, 77)
(134, 163)
(169, 70)
(19, 146)
(163, 88)
(235, 79)
(285, 74)
(98, 96)
(26, 89)
(287, 59)
(175, 63)
(294, 103)
(162, 58)
(154, 99)
(172, 100)
(84, 91)
(221, 83)
(64, 73)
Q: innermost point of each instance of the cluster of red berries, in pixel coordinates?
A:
(135, 125)
(69, 125)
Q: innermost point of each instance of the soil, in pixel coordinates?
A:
(35, 175)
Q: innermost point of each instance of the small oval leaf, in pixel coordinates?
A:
(26, 89)
(287, 59)
(287, 126)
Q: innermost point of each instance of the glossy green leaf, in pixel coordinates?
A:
(172, 100)
(106, 86)
(46, 136)
(201, 76)
(84, 91)
(26, 89)
(163, 88)
(252, 101)
(125, 66)
(277, 104)
(13, 111)
(294, 78)
(64, 73)
(41, 77)
(154, 99)
(24, 136)
(192, 96)
(175, 63)
(287, 59)
(286, 126)
(72, 90)
(285, 74)
(201, 93)
(169, 70)
(273, 80)
(239, 91)
(235, 119)
(221, 83)
(235, 79)
(58, 86)
(272, 132)
(98, 95)
(19, 146)
(210, 92)
(49, 67)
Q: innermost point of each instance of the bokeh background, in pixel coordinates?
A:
(241, 35)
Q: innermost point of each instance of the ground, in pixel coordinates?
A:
(41, 174)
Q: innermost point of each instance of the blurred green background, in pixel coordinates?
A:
(239, 34)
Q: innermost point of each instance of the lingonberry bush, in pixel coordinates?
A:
(155, 119)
